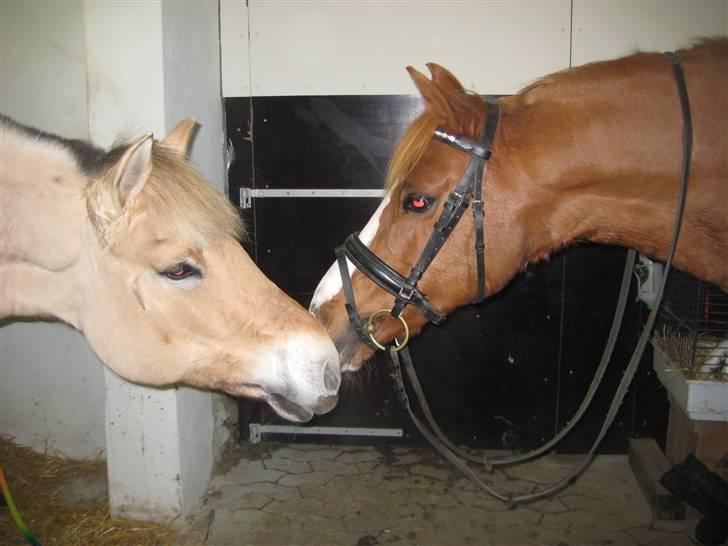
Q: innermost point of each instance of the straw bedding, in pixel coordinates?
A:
(37, 483)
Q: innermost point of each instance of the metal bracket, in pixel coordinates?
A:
(248, 194)
(257, 430)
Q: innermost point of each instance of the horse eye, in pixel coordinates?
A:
(417, 202)
(181, 271)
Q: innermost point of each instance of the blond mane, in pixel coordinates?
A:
(176, 195)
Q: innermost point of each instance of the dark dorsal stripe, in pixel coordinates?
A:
(91, 159)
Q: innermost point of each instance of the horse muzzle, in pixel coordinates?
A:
(288, 409)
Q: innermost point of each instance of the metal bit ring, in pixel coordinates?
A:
(371, 328)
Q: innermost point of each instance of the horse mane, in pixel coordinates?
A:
(88, 157)
(584, 78)
(410, 149)
(470, 110)
(176, 193)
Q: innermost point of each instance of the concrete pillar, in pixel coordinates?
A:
(150, 64)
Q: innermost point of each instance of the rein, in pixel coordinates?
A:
(406, 293)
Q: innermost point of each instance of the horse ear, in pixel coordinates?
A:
(444, 79)
(133, 171)
(435, 100)
(178, 140)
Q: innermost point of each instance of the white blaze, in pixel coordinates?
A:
(330, 285)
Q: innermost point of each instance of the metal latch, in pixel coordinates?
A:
(247, 194)
(257, 430)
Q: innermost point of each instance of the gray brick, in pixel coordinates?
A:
(287, 465)
(336, 468)
(306, 479)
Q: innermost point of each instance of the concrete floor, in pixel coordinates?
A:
(323, 495)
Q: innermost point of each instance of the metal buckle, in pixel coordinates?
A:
(478, 208)
(456, 197)
(407, 296)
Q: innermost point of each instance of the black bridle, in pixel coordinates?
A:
(404, 289)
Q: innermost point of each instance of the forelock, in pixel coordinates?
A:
(177, 194)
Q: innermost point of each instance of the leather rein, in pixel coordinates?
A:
(405, 291)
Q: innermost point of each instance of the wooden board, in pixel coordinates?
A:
(707, 440)
(649, 463)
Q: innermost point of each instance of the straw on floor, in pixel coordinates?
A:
(35, 482)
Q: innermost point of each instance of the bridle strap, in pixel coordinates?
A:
(452, 211)
(478, 215)
(468, 188)
(384, 276)
(350, 302)
(404, 289)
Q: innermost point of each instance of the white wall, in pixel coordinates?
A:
(359, 47)
(51, 384)
(605, 29)
(191, 51)
(362, 48)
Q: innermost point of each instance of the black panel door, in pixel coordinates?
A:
(505, 374)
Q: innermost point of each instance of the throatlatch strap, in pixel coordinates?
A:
(468, 188)
(491, 125)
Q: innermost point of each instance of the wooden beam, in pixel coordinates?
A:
(649, 464)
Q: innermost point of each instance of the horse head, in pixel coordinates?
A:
(422, 173)
(141, 254)
(587, 154)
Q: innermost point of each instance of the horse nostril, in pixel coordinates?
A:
(332, 377)
(325, 404)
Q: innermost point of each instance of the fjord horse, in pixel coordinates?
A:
(588, 154)
(134, 249)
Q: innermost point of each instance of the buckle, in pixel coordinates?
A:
(406, 294)
(456, 196)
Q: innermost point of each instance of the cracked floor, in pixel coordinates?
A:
(326, 495)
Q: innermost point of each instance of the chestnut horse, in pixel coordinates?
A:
(588, 154)
(134, 249)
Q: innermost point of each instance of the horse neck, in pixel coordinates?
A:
(42, 224)
(600, 159)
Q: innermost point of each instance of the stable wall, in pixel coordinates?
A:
(289, 48)
(104, 70)
(316, 95)
(51, 384)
